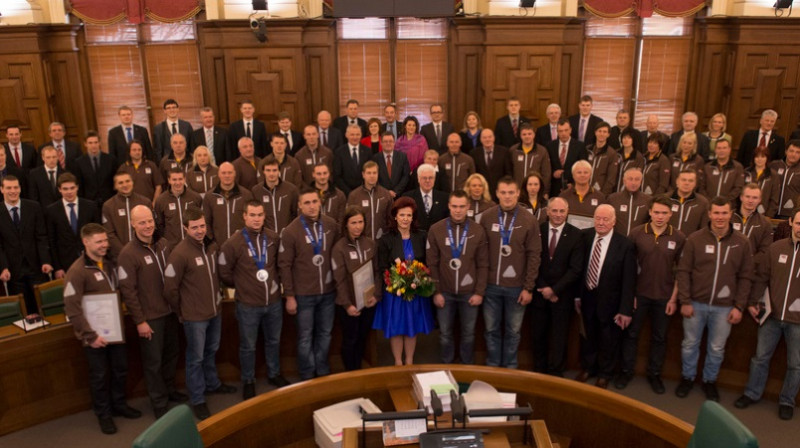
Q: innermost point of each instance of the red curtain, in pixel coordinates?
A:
(643, 8)
(104, 12)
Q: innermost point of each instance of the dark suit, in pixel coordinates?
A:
(795, 135)
(346, 174)
(72, 150)
(96, 186)
(398, 128)
(258, 134)
(12, 170)
(24, 249)
(401, 175)
(501, 166)
(341, 124)
(40, 189)
(335, 138)
(162, 134)
(563, 273)
(440, 184)
(222, 152)
(390, 247)
(615, 138)
(28, 154)
(297, 142)
(466, 143)
(439, 208)
(429, 132)
(750, 140)
(118, 143)
(575, 151)
(504, 131)
(588, 136)
(543, 136)
(66, 245)
(703, 144)
(613, 295)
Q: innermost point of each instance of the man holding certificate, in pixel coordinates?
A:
(248, 262)
(92, 305)
(458, 258)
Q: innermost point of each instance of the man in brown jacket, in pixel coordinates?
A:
(171, 205)
(456, 164)
(177, 159)
(333, 200)
(117, 213)
(191, 287)
(223, 206)
(630, 204)
(94, 273)
(248, 262)
(689, 210)
(247, 174)
(530, 156)
(312, 154)
(288, 166)
(140, 269)
(457, 256)
(375, 200)
(278, 196)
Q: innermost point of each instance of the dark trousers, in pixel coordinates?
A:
(658, 335)
(355, 331)
(107, 393)
(550, 327)
(22, 282)
(160, 358)
(600, 347)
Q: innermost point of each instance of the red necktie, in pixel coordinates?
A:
(61, 159)
(16, 157)
(389, 165)
(594, 265)
(562, 156)
(514, 125)
(763, 142)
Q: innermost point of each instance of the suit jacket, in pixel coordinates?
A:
(776, 146)
(30, 157)
(703, 144)
(501, 166)
(346, 174)
(162, 135)
(40, 189)
(398, 128)
(26, 244)
(543, 136)
(575, 151)
(504, 132)
(617, 283)
(639, 142)
(335, 138)
(575, 122)
(341, 123)
(259, 136)
(65, 245)
(98, 187)
(72, 150)
(12, 170)
(390, 247)
(564, 271)
(795, 134)
(439, 209)
(118, 143)
(297, 142)
(440, 184)
(466, 143)
(429, 132)
(401, 172)
(222, 151)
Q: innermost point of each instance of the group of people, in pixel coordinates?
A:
(561, 218)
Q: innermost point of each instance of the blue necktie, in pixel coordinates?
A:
(130, 135)
(73, 218)
(15, 216)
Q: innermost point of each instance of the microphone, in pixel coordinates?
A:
(436, 407)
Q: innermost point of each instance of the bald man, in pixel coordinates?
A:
(329, 136)
(223, 206)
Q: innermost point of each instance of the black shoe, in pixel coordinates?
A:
(684, 387)
(127, 412)
(159, 412)
(743, 402)
(223, 389)
(785, 412)
(710, 388)
(107, 425)
(656, 384)
(248, 391)
(278, 381)
(201, 411)
(622, 380)
(178, 397)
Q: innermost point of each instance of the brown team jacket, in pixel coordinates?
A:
(521, 267)
(290, 171)
(191, 282)
(334, 203)
(247, 174)
(237, 268)
(202, 181)
(689, 215)
(758, 229)
(473, 274)
(534, 161)
(781, 273)
(224, 212)
(458, 168)
(476, 207)
(584, 206)
(169, 210)
(140, 269)
(377, 206)
(308, 159)
(788, 181)
(146, 177)
(657, 256)
(280, 204)
(770, 189)
(677, 165)
(168, 162)
(298, 274)
(605, 167)
(657, 175)
(632, 210)
(348, 256)
(117, 220)
(726, 181)
(635, 160)
(86, 277)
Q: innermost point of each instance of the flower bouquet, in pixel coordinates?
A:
(409, 279)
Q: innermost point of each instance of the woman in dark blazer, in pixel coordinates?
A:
(471, 133)
(402, 320)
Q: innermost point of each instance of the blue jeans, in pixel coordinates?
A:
(202, 343)
(500, 306)
(467, 315)
(716, 319)
(270, 319)
(314, 325)
(768, 337)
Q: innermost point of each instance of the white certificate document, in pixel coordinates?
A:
(363, 284)
(102, 312)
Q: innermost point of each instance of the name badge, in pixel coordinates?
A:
(220, 201)
(737, 226)
(715, 172)
(198, 178)
(447, 166)
(623, 208)
(265, 198)
(676, 164)
(780, 171)
(594, 202)
(99, 276)
(709, 248)
(675, 208)
(353, 255)
(470, 213)
(590, 157)
(520, 158)
(447, 241)
(148, 259)
(174, 165)
(148, 171)
(172, 206)
(309, 161)
(365, 203)
(121, 212)
(495, 227)
(671, 245)
(198, 261)
(783, 258)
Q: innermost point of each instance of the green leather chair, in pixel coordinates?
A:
(176, 429)
(12, 309)
(50, 297)
(718, 428)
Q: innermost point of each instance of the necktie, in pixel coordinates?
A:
(439, 133)
(427, 200)
(553, 241)
(355, 155)
(52, 175)
(763, 142)
(582, 129)
(174, 128)
(129, 134)
(562, 156)
(515, 126)
(15, 216)
(73, 218)
(324, 137)
(352, 121)
(16, 157)
(594, 265)
(389, 165)
(248, 133)
(210, 144)
(553, 134)
(391, 129)
(61, 159)
(94, 164)
(288, 139)
(489, 157)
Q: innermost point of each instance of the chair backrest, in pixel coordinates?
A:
(718, 428)
(175, 429)
(12, 309)
(50, 297)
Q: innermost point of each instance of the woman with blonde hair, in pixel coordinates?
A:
(202, 177)
(471, 132)
(717, 126)
(686, 157)
(478, 191)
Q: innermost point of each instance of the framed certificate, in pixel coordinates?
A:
(104, 315)
(581, 222)
(363, 284)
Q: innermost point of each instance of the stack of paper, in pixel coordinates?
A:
(482, 395)
(441, 381)
(329, 422)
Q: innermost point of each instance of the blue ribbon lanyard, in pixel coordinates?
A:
(261, 257)
(455, 249)
(316, 244)
(505, 234)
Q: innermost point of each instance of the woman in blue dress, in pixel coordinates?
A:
(400, 319)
